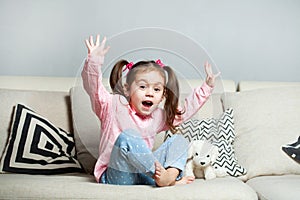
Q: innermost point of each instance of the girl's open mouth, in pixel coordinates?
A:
(147, 103)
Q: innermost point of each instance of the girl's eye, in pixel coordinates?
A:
(142, 86)
(157, 89)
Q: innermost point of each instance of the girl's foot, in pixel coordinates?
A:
(185, 180)
(164, 177)
(167, 177)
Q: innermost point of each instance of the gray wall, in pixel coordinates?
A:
(248, 40)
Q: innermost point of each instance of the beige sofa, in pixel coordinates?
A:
(266, 116)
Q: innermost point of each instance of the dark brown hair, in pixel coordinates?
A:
(171, 90)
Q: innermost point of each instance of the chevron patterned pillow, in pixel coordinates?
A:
(219, 131)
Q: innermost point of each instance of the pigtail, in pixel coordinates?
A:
(115, 79)
(172, 98)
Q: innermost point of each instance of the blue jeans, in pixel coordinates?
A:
(132, 162)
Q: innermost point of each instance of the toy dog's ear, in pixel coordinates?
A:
(191, 150)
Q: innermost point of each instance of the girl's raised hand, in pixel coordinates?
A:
(210, 77)
(96, 49)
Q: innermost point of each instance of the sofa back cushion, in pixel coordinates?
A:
(252, 85)
(55, 106)
(265, 119)
(86, 129)
(213, 107)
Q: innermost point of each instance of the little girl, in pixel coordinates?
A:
(131, 117)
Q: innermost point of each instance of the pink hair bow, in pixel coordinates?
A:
(128, 66)
(159, 63)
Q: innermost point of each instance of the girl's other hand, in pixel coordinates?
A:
(96, 49)
(210, 77)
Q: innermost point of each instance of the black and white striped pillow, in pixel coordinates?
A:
(36, 146)
(219, 131)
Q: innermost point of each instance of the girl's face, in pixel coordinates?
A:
(146, 92)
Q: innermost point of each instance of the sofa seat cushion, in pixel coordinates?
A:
(276, 187)
(83, 186)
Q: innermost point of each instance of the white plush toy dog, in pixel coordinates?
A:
(201, 155)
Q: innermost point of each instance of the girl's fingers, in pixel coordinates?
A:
(102, 50)
(207, 68)
(97, 39)
(218, 74)
(105, 50)
(87, 43)
(91, 41)
(103, 42)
